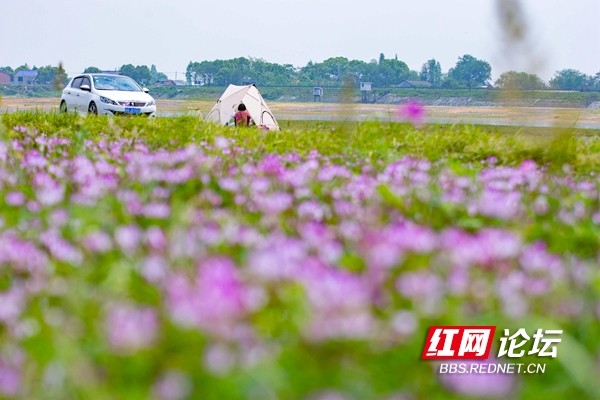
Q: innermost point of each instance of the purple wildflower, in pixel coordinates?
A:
(412, 111)
(156, 239)
(404, 323)
(496, 385)
(172, 385)
(15, 199)
(130, 329)
(97, 242)
(11, 378)
(336, 313)
(128, 237)
(216, 301)
(270, 165)
(60, 248)
(274, 203)
(313, 210)
(425, 289)
(156, 210)
(219, 359)
(12, 304)
(154, 269)
(277, 258)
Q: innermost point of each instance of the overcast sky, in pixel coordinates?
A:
(170, 33)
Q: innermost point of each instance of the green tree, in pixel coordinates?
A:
(569, 79)
(240, 70)
(336, 67)
(7, 69)
(520, 80)
(470, 71)
(191, 72)
(155, 75)
(92, 70)
(50, 75)
(127, 70)
(201, 73)
(314, 73)
(594, 82)
(432, 72)
(387, 72)
(144, 77)
(141, 73)
(393, 72)
(23, 67)
(45, 75)
(229, 71)
(450, 83)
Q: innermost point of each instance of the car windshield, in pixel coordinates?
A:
(122, 83)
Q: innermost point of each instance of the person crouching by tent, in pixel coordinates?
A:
(226, 108)
(242, 116)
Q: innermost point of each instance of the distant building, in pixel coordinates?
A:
(414, 84)
(365, 91)
(25, 77)
(165, 82)
(317, 93)
(170, 82)
(5, 77)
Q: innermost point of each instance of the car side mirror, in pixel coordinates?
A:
(85, 87)
(145, 90)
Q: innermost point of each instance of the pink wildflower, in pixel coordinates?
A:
(131, 329)
(480, 385)
(412, 111)
(172, 385)
(11, 378)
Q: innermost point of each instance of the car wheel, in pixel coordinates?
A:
(93, 108)
(63, 107)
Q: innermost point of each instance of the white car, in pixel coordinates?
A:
(106, 94)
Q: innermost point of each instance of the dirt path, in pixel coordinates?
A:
(527, 116)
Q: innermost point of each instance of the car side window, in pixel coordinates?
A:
(77, 82)
(86, 81)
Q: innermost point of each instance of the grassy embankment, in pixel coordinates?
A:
(544, 98)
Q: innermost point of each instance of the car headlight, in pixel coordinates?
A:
(108, 101)
(151, 103)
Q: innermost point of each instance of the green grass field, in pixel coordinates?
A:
(172, 259)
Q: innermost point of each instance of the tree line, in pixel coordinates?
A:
(49, 74)
(468, 72)
(140, 73)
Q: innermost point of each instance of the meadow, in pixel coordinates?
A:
(172, 259)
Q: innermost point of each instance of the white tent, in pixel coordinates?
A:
(227, 105)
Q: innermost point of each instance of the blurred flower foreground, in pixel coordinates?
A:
(217, 271)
